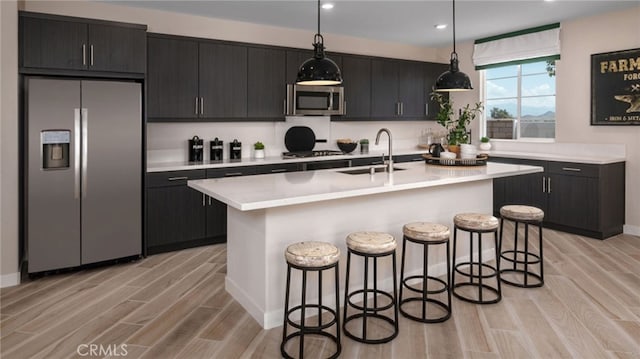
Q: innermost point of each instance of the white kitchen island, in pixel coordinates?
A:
(266, 213)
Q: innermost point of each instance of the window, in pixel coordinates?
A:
(520, 100)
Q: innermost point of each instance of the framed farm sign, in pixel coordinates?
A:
(615, 88)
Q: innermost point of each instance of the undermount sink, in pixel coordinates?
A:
(361, 171)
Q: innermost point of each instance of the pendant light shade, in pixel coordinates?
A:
(319, 70)
(454, 79)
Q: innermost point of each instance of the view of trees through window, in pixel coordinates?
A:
(520, 101)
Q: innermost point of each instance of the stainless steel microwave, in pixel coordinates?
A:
(315, 100)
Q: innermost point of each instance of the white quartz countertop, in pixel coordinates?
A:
(590, 159)
(290, 188)
(185, 165)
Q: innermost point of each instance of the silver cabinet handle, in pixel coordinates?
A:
(84, 55)
(204, 203)
(196, 106)
(549, 185)
(178, 178)
(401, 108)
(426, 109)
(76, 153)
(202, 105)
(572, 169)
(277, 170)
(209, 200)
(544, 184)
(284, 107)
(85, 149)
(91, 55)
(344, 110)
(233, 174)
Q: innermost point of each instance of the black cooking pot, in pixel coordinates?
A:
(299, 139)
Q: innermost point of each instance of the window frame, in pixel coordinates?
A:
(517, 119)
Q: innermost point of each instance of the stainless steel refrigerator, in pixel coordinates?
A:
(83, 172)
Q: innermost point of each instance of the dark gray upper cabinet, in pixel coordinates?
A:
(223, 80)
(51, 42)
(431, 73)
(397, 89)
(356, 77)
(384, 88)
(266, 83)
(172, 78)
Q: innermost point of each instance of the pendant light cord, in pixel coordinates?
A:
(454, 28)
(318, 17)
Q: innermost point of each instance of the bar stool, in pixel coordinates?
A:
(311, 257)
(476, 223)
(371, 245)
(425, 234)
(527, 215)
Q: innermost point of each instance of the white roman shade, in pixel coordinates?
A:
(536, 44)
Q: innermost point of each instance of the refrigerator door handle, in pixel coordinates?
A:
(76, 153)
(85, 125)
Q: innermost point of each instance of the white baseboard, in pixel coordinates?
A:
(633, 230)
(9, 280)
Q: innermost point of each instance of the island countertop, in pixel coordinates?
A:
(283, 189)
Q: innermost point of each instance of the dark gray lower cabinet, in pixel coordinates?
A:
(585, 199)
(180, 217)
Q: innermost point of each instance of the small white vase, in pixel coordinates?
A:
(485, 146)
(258, 154)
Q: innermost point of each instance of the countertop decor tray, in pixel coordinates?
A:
(480, 160)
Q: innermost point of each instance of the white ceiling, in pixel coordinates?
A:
(410, 22)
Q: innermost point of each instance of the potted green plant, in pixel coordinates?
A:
(364, 145)
(485, 145)
(456, 127)
(258, 148)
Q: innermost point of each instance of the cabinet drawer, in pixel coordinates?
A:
(408, 158)
(573, 169)
(368, 161)
(231, 172)
(277, 168)
(173, 178)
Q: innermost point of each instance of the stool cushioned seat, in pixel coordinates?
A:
(427, 232)
(522, 213)
(476, 221)
(312, 254)
(371, 242)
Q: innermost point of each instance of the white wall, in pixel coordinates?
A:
(9, 273)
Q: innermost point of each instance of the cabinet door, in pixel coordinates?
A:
(223, 80)
(295, 58)
(53, 44)
(356, 76)
(174, 214)
(216, 225)
(117, 49)
(384, 88)
(523, 189)
(266, 83)
(573, 201)
(172, 78)
(431, 73)
(411, 90)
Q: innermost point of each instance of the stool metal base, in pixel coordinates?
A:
(424, 291)
(477, 280)
(530, 259)
(303, 329)
(366, 312)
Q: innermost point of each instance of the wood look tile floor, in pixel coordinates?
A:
(174, 305)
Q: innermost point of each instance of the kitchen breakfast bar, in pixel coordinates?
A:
(266, 213)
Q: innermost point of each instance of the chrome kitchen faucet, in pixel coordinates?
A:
(390, 162)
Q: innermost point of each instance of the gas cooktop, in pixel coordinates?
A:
(318, 153)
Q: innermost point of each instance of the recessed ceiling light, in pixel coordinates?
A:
(440, 26)
(327, 6)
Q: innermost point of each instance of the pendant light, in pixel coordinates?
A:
(319, 70)
(453, 80)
